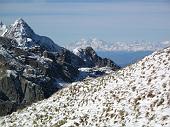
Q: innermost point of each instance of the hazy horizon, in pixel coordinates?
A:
(111, 20)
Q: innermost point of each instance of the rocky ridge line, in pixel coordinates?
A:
(33, 67)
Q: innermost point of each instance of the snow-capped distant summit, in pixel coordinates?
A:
(25, 36)
(19, 21)
(166, 42)
(21, 32)
(83, 43)
(22, 29)
(101, 45)
(22, 25)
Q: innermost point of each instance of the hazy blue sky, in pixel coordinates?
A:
(111, 20)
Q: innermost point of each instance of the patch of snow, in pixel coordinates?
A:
(11, 72)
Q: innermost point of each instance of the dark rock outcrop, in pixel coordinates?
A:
(29, 75)
(91, 59)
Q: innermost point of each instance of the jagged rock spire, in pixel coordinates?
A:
(1, 24)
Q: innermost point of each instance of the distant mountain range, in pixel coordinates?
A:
(101, 45)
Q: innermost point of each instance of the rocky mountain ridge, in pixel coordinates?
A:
(90, 58)
(33, 67)
(137, 95)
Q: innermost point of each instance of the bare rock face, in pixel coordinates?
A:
(65, 56)
(7, 107)
(29, 75)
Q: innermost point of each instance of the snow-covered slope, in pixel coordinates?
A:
(118, 46)
(25, 36)
(135, 96)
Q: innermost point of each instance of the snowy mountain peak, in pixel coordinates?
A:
(25, 36)
(22, 28)
(21, 32)
(83, 43)
(19, 21)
